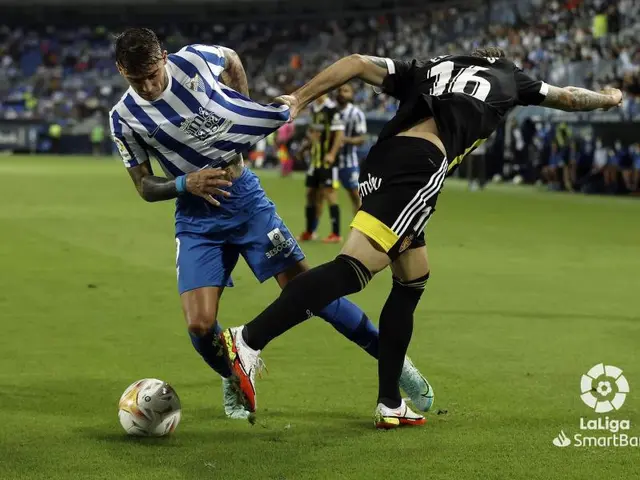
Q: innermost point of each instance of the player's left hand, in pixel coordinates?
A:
(329, 158)
(615, 94)
(292, 102)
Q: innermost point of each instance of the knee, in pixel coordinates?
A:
(311, 197)
(199, 323)
(413, 288)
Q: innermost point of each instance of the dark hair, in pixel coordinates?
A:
(494, 52)
(137, 50)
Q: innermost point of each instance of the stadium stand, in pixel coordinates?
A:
(55, 72)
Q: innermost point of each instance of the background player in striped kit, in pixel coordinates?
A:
(181, 110)
(324, 139)
(355, 134)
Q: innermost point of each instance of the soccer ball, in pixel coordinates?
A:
(149, 407)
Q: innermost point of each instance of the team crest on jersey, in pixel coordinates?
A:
(205, 125)
(196, 84)
(406, 243)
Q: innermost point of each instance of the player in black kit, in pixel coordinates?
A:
(324, 139)
(448, 106)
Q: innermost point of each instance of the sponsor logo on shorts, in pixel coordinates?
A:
(371, 184)
(280, 244)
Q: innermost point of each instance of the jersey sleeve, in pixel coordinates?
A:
(361, 123)
(399, 77)
(212, 55)
(530, 91)
(129, 144)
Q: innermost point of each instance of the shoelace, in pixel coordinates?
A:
(260, 366)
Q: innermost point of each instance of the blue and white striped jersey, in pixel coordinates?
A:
(197, 122)
(355, 125)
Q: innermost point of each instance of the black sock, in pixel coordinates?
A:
(310, 217)
(334, 212)
(307, 293)
(396, 327)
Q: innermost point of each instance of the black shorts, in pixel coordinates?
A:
(318, 177)
(399, 184)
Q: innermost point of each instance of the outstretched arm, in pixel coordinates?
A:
(372, 70)
(574, 99)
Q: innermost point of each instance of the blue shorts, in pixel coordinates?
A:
(349, 177)
(210, 240)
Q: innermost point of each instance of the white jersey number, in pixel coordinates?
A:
(443, 83)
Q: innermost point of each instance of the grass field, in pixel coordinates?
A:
(528, 291)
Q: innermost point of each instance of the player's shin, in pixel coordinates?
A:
(334, 213)
(353, 323)
(311, 217)
(209, 348)
(396, 327)
(304, 295)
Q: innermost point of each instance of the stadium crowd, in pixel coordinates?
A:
(66, 75)
(69, 72)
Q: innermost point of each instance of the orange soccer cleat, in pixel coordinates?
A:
(307, 236)
(332, 238)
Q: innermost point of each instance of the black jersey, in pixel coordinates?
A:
(467, 97)
(325, 121)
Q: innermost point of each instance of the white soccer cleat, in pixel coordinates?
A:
(413, 383)
(244, 362)
(387, 418)
(233, 407)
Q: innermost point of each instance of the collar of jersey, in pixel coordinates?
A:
(139, 99)
(346, 107)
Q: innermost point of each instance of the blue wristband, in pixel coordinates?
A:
(181, 184)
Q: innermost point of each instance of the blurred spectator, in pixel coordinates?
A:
(635, 179)
(97, 139)
(70, 72)
(551, 171)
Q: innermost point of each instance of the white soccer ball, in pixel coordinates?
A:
(149, 407)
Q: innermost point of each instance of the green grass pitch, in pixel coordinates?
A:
(528, 291)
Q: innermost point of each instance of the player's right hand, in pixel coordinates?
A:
(208, 183)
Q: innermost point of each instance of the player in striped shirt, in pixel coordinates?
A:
(355, 134)
(190, 110)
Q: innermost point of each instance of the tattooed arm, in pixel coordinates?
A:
(574, 99)
(150, 187)
(233, 74)
(203, 183)
(372, 70)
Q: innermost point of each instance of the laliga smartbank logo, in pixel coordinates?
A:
(604, 389)
(597, 386)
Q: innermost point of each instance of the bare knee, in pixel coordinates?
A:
(331, 195)
(200, 309)
(311, 196)
(200, 325)
(411, 264)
